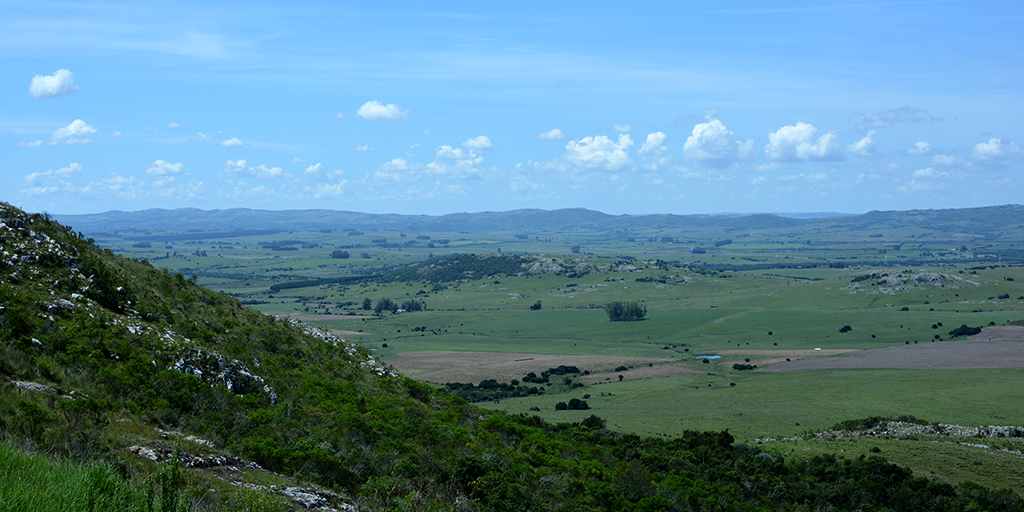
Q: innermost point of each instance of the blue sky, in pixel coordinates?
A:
(657, 107)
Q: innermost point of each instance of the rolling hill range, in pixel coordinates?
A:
(989, 221)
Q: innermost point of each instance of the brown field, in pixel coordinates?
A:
(943, 355)
(452, 366)
(778, 356)
(1008, 332)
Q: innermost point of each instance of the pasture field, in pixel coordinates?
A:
(763, 297)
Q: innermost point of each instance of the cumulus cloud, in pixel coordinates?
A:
(30, 143)
(239, 168)
(921, 149)
(867, 146)
(480, 143)
(712, 144)
(173, 125)
(299, 160)
(162, 168)
(362, 148)
(928, 172)
(329, 190)
(233, 142)
(795, 143)
(599, 152)
(52, 86)
(946, 161)
(519, 184)
(395, 170)
(39, 177)
(655, 143)
(115, 185)
(314, 169)
(116, 133)
(75, 133)
(889, 117)
(555, 134)
(623, 128)
(995, 154)
(377, 111)
(340, 115)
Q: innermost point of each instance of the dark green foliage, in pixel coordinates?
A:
(339, 254)
(413, 305)
(536, 306)
(964, 330)
(741, 366)
(385, 304)
(462, 266)
(845, 328)
(623, 311)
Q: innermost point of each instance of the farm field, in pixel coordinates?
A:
(834, 325)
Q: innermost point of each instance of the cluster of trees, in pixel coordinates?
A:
(490, 390)
(387, 304)
(964, 330)
(623, 311)
(546, 374)
(339, 254)
(574, 404)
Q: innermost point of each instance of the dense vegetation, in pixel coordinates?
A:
(98, 350)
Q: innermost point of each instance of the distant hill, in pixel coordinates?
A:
(986, 220)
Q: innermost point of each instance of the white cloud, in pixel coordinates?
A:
(554, 134)
(928, 172)
(794, 143)
(623, 128)
(173, 125)
(362, 148)
(299, 160)
(519, 184)
(329, 190)
(340, 115)
(75, 133)
(116, 133)
(377, 111)
(867, 146)
(712, 144)
(946, 161)
(52, 86)
(599, 152)
(889, 117)
(151, 129)
(921, 149)
(314, 170)
(45, 176)
(426, 132)
(655, 143)
(395, 170)
(31, 144)
(115, 185)
(233, 142)
(995, 154)
(162, 168)
(239, 168)
(201, 137)
(480, 143)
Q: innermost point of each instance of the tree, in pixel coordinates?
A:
(367, 304)
(622, 311)
(385, 305)
(535, 306)
(412, 305)
(561, 406)
(339, 254)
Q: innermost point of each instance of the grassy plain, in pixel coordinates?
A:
(770, 291)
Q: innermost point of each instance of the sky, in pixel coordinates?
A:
(404, 107)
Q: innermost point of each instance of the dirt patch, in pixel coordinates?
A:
(452, 366)
(644, 371)
(777, 356)
(1007, 332)
(305, 317)
(339, 332)
(944, 355)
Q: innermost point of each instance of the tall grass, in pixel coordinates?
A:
(41, 484)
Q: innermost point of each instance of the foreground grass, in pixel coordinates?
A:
(33, 482)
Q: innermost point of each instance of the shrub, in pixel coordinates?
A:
(622, 311)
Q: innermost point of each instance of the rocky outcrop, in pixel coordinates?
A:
(215, 369)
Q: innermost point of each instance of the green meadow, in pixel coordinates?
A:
(757, 298)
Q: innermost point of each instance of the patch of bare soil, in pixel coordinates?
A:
(339, 332)
(943, 355)
(778, 356)
(303, 317)
(646, 371)
(1000, 332)
(451, 366)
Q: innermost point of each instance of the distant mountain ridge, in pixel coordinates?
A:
(984, 220)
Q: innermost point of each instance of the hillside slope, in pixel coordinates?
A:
(98, 351)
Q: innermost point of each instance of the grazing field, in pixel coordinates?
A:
(799, 330)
